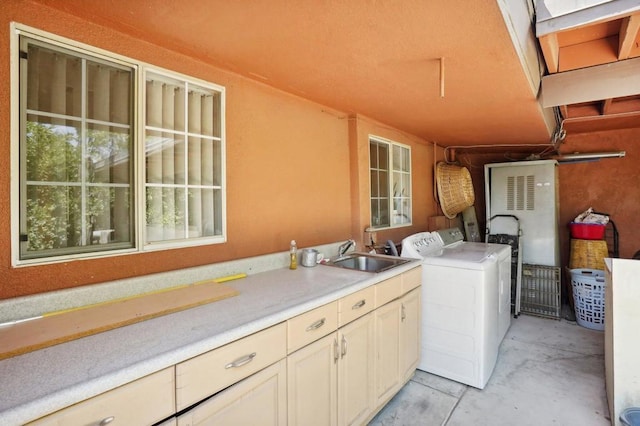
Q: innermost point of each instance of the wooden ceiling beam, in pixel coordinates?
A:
(602, 122)
(587, 54)
(550, 51)
(628, 33)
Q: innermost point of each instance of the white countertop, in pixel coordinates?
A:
(44, 381)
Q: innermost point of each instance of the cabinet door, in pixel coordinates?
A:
(259, 399)
(312, 383)
(356, 396)
(387, 370)
(409, 334)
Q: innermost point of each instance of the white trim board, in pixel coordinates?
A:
(606, 81)
(546, 23)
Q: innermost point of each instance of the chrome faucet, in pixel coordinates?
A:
(344, 247)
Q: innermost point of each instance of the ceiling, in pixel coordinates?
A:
(450, 71)
(592, 52)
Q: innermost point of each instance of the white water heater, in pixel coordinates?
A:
(527, 190)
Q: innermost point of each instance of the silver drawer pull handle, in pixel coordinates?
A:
(106, 421)
(316, 325)
(359, 305)
(241, 361)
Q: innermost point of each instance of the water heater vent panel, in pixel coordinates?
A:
(520, 193)
(510, 193)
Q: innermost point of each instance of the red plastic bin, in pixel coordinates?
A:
(587, 231)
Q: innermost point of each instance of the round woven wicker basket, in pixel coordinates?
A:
(455, 188)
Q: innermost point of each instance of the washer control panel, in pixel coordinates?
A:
(421, 244)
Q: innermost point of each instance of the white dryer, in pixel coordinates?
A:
(466, 304)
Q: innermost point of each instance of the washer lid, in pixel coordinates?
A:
(470, 247)
(468, 252)
(464, 256)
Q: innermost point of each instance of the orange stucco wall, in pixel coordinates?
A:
(422, 154)
(608, 185)
(289, 166)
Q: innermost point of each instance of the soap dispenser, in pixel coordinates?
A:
(293, 254)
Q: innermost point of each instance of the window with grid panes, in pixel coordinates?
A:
(390, 179)
(183, 153)
(81, 127)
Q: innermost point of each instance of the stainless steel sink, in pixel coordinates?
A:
(366, 262)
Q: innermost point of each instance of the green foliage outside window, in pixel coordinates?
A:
(55, 184)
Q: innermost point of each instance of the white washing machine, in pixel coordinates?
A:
(466, 304)
(452, 240)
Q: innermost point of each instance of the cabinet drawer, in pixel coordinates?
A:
(356, 305)
(144, 401)
(213, 371)
(411, 279)
(311, 326)
(388, 290)
(258, 399)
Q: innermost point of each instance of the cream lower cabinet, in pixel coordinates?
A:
(142, 402)
(241, 383)
(356, 368)
(397, 328)
(334, 365)
(312, 382)
(409, 333)
(200, 377)
(345, 377)
(258, 399)
(387, 371)
(330, 381)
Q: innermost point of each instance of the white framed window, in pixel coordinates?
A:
(390, 183)
(183, 160)
(112, 155)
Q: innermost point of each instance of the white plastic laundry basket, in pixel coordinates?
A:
(588, 297)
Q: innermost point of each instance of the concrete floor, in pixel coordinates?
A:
(549, 372)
